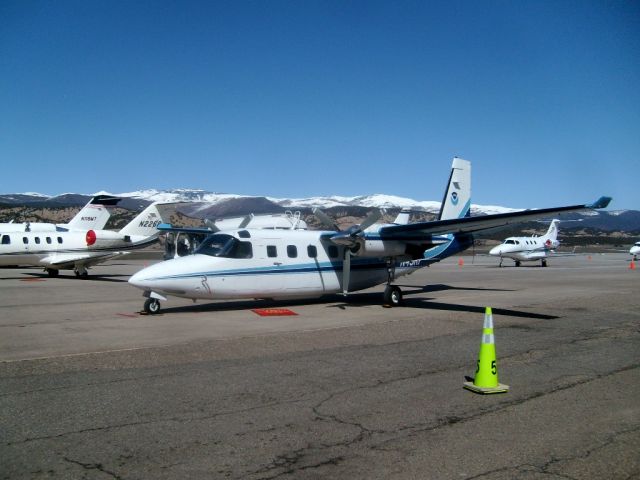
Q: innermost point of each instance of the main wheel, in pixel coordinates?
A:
(517, 263)
(52, 272)
(392, 295)
(544, 262)
(152, 306)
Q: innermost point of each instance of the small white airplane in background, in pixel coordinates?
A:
(79, 249)
(635, 250)
(529, 249)
(94, 215)
(278, 264)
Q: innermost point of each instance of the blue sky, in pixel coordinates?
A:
(304, 98)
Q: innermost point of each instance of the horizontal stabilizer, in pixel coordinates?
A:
(602, 202)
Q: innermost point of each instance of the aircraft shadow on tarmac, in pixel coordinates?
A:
(90, 278)
(356, 300)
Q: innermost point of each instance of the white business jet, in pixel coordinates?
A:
(635, 250)
(279, 264)
(79, 249)
(94, 215)
(529, 249)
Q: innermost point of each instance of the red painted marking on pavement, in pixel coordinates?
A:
(273, 312)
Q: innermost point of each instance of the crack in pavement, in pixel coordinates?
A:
(93, 466)
(291, 461)
(553, 461)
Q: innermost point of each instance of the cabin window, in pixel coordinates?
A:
(333, 251)
(243, 250)
(59, 239)
(38, 240)
(244, 234)
(223, 245)
(25, 240)
(6, 240)
(292, 251)
(312, 251)
(49, 240)
(272, 251)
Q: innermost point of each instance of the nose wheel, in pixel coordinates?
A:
(152, 306)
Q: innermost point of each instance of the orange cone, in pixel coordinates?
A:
(460, 262)
(632, 265)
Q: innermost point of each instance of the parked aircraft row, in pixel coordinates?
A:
(76, 248)
(277, 257)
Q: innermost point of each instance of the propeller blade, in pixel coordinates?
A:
(325, 219)
(372, 218)
(245, 221)
(346, 271)
(212, 225)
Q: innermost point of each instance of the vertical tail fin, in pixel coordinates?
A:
(94, 215)
(457, 196)
(146, 222)
(552, 233)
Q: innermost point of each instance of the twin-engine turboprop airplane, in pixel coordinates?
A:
(79, 249)
(273, 264)
(529, 249)
(94, 215)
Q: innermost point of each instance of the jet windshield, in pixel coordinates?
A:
(223, 245)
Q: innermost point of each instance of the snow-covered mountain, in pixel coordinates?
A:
(369, 201)
(205, 204)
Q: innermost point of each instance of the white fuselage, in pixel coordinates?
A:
(49, 249)
(275, 264)
(635, 250)
(524, 248)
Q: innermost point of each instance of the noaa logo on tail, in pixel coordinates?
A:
(454, 198)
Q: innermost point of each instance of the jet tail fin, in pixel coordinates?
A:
(94, 215)
(145, 224)
(457, 196)
(552, 233)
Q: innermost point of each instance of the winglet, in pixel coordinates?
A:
(602, 202)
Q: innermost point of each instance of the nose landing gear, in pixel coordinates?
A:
(152, 306)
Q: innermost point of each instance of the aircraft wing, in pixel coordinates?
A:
(70, 260)
(479, 223)
(167, 227)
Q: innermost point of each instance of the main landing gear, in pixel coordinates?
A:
(52, 272)
(392, 293)
(81, 272)
(392, 296)
(152, 306)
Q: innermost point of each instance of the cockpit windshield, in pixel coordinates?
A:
(227, 246)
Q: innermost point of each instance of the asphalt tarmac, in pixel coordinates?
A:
(89, 388)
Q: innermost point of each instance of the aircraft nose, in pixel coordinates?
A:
(139, 279)
(495, 250)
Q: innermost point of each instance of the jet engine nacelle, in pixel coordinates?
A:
(104, 238)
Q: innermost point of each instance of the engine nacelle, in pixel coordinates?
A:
(104, 238)
(381, 248)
